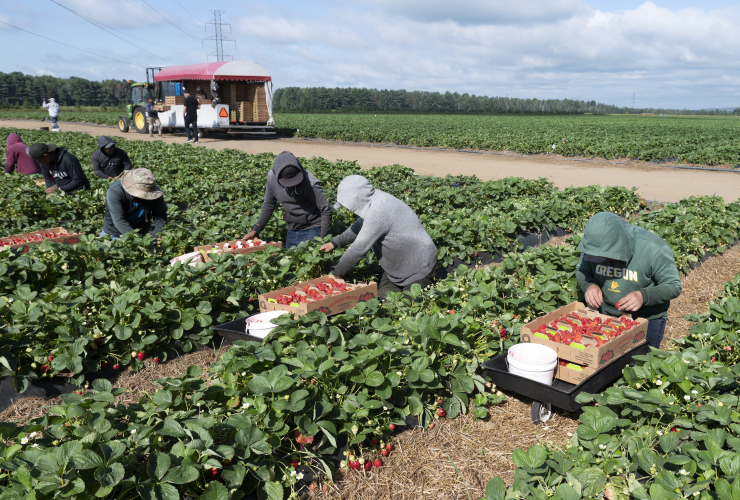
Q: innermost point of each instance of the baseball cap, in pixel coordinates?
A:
(38, 149)
(290, 176)
(593, 258)
(109, 145)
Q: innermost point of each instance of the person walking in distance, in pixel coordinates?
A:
(152, 116)
(53, 108)
(190, 114)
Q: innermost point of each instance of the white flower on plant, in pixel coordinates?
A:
(285, 477)
(133, 431)
(339, 396)
(687, 397)
(246, 405)
(198, 403)
(293, 473)
(546, 428)
(694, 392)
(24, 440)
(553, 146)
(399, 373)
(32, 435)
(570, 434)
(244, 374)
(684, 472)
(696, 493)
(602, 446)
(299, 476)
(658, 382)
(660, 433)
(385, 408)
(35, 445)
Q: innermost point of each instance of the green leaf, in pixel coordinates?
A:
(496, 489)
(534, 457)
(86, 459)
(374, 379)
(217, 491)
(274, 491)
(109, 476)
(158, 492)
(567, 492)
(157, 465)
(181, 475)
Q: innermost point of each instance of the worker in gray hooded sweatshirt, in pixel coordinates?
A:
(307, 212)
(404, 250)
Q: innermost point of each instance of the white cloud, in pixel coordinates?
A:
(117, 14)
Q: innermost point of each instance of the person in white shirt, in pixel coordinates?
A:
(53, 108)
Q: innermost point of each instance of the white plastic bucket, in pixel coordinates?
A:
(259, 325)
(533, 361)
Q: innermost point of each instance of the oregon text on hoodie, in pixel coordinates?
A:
(388, 226)
(639, 260)
(305, 205)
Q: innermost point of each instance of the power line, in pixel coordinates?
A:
(186, 10)
(102, 28)
(167, 20)
(70, 46)
(219, 37)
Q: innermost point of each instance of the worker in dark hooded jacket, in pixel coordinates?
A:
(307, 212)
(60, 168)
(134, 203)
(109, 161)
(627, 269)
(17, 155)
(387, 225)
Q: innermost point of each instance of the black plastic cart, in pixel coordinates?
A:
(560, 393)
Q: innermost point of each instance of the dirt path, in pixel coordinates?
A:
(653, 182)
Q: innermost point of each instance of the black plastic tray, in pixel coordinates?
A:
(235, 330)
(560, 393)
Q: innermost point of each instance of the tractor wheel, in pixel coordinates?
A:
(123, 123)
(139, 121)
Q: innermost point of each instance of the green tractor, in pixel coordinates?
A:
(136, 111)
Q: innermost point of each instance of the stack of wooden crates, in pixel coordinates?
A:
(246, 100)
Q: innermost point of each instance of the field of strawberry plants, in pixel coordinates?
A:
(99, 117)
(275, 411)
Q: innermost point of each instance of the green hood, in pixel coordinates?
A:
(608, 235)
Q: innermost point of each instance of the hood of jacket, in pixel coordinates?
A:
(13, 139)
(286, 159)
(608, 235)
(355, 193)
(103, 140)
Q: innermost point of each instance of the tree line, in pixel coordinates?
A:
(362, 100)
(18, 90)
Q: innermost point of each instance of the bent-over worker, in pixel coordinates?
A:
(109, 161)
(307, 212)
(16, 154)
(627, 269)
(60, 168)
(387, 225)
(134, 203)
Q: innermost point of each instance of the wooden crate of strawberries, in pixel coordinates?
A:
(55, 234)
(236, 247)
(327, 294)
(584, 339)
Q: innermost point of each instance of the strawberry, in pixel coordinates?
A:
(384, 453)
(431, 426)
(727, 348)
(214, 472)
(99, 341)
(712, 360)
(51, 358)
(227, 462)
(378, 462)
(374, 441)
(440, 412)
(450, 312)
(156, 360)
(441, 401)
(140, 356)
(295, 464)
(103, 365)
(354, 465)
(368, 465)
(391, 426)
(115, 367)
(134, 354)
(45, 368)
(389, 447)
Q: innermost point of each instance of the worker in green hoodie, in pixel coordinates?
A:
(627, 269)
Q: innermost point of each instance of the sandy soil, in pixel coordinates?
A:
(653, 182)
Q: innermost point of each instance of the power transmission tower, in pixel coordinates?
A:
(633, 99)
(218, 37)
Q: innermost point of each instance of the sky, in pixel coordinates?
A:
(672, 54)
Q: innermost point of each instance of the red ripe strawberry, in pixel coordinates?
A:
(51, 358)
(378, 462)
(368, 465)
(295, 464)
(156, 360)
(99, 341)
(103, 365)
(440, 412)
(140, 356)
(676, 429)
(384, 453)
(45, 368)
(389, 447)
(115, 367)
(214, 472)
(450, 312)
(354, 465)
(712, 360)
(391, 426)
(431, 426)
(374, 441)
(441, 401)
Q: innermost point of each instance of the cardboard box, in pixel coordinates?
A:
(218, 247)
(244, 109)
(162, 107)
(174, 99)
(204, 101)
(329, 305)
(574, 374)
(64, 238)
(589, 354)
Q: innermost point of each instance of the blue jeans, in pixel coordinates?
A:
(54, 122)
(297, 237)
(655, 331)
(103, 233)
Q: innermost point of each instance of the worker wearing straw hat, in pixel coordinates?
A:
(134, 203)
